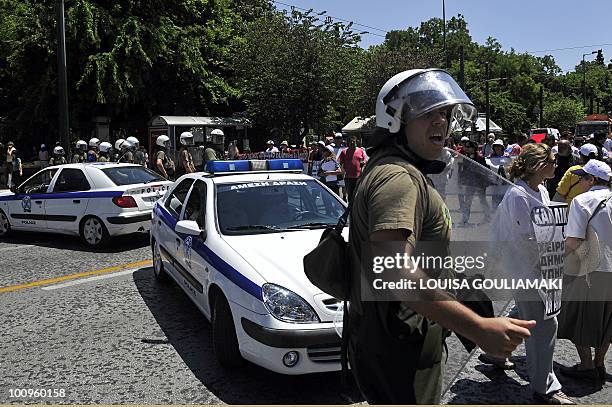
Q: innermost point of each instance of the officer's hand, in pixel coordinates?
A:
(500, 336)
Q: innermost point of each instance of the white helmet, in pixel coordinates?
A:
(416, 92)
(118, 144)
(162, 140)
(59, 150)
(43, 146)
(217, 132)
(125, 145)
(133, 141)
(187, 138)
(94, 142)
(81, 145)
(105, 147)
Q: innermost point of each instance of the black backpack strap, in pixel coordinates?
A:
(601, 205)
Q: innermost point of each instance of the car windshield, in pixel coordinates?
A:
(275, 206)
(131, 175)
(588, 128)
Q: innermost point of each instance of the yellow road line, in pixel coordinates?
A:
(74, 276)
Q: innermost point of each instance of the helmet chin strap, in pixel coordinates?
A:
(425, 166)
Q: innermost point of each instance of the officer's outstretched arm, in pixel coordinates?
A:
(496, 336)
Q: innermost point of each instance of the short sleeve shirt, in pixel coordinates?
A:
(350, 159)
(392, 197)
(581, 211)
(569, 186)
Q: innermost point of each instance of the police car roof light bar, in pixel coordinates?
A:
(245, 166)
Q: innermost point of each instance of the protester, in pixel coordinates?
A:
(569, 187)
(565, 160)
(271, 149)
(396, 349)
(472, 184)
(515, 149)
(285, 147)
(330, 169)
(352, 160)
(535, 164)
(487, 148)
(586, 313)
(497, 164)
(338, 144)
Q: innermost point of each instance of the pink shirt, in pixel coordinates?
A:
(350, 160)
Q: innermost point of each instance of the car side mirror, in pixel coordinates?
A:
(188, 227)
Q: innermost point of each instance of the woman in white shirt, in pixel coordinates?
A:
(586, 310)
(514, 227)
(330, 169)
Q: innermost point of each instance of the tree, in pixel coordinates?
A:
(562, 112)
(126, 59)
(295, 71)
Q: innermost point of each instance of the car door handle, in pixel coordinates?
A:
(38, 202)
(76, 201)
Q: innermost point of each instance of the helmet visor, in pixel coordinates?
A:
(429, 91)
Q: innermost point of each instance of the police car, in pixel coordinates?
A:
(233, 238)
(93, 200)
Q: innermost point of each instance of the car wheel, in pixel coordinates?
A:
(225, 342)
(93, 232)
(158, 265)
(5, 225)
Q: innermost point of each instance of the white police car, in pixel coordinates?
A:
(234, 239)
(92, 200)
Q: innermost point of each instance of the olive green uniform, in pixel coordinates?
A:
(396, 355)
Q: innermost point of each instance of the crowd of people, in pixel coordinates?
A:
(396, 348)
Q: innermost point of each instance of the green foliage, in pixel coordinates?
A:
(132, 59)
(297, 72)
(562, 112)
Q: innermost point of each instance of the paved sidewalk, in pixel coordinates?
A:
(478, 383)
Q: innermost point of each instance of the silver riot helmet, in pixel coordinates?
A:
(81, 145)
(134, 141)
(118, 144)
(217, 132)
(58, 150)
(94, 143)
(125, 145)
(105, 147)
(416, 92)
(187, 138)
(162, 141)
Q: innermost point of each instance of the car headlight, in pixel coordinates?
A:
(286, 305)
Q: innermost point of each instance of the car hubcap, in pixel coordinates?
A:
(92, 230)
(3, 224)
(157, 261)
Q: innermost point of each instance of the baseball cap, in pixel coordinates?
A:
(284, 143)
(270, 142)
(597, 169)
(498, 142)
(329, 148)
(338, 135)
(321, 143)
(587, 149)
(465, 138)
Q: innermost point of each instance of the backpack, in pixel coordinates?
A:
(91, 157)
